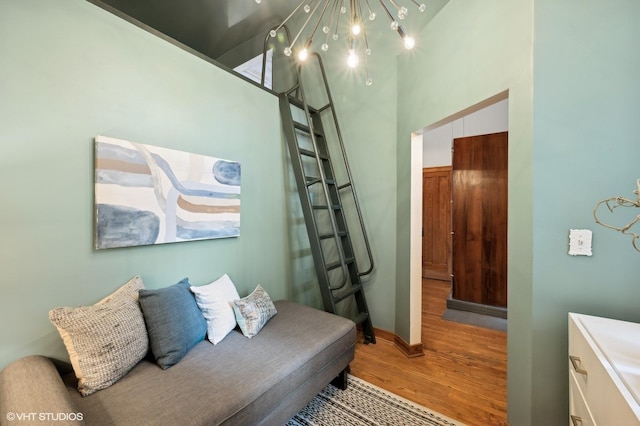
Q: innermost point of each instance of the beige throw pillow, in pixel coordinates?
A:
(106, 340)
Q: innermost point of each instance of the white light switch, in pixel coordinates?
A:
(580, 242)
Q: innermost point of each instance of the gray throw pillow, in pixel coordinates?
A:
(174, 322)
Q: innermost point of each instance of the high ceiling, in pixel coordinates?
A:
(232, 32)
(212, 27)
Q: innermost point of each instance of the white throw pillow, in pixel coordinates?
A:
(215, 300)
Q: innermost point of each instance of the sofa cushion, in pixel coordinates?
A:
(238, 381)
(106, 340)
(174, 322)
(215, 300)
(253, 311)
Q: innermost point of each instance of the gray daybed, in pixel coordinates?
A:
(264, 380)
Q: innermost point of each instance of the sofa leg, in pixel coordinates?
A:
(341, 379)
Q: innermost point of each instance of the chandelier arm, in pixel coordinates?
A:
(334, 5)
(394, 3)
(368, 6)
(306, 22)
(364, 34)
(290, 15)
(335, 33)
(386, 9)
(324, 10)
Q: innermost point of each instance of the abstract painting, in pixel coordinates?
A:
(151, 195)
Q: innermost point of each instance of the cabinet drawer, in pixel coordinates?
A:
(579, 414)
(599, 384)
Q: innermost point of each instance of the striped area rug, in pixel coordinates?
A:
(365, 404)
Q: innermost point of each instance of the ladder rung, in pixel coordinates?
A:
(327, 236)
(298, 103)
(336, 265)
(361, 317)
(310, 153)
(305, 128)
(353, 290)
(325, 207)
(312, 180)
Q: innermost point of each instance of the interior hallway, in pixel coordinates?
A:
(463, 374)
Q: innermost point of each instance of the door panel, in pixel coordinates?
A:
(479, 219)
(436, 223)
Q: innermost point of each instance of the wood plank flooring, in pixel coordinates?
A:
(463, 374)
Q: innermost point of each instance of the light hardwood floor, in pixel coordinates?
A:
(463, 374)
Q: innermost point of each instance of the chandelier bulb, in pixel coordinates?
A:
(303, 55)
(307, 8)
(335, 36)
(343, 10)
(352, 60)
(258, 1)
(325, 29)
(356, 29)
(287, 51)
(272, 33)
(422, 7)
(372, 16)
(368, 81)
(324, 47)
(394, 25)
(409, 42)
(403, 12)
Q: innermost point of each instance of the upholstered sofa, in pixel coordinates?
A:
(262, 380)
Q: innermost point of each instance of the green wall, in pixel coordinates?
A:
(472, 51)
(570, 71)
(586, 148)
(71, 71)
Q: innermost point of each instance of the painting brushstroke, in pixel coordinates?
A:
(151, 195)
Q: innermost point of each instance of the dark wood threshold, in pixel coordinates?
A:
(477, 308)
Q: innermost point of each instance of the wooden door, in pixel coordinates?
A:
(479, 219)
(436, 223)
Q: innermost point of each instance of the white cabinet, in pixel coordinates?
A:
(604, 371)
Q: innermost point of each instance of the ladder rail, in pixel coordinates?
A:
(308, 183)
(348, 169)
(323, 182)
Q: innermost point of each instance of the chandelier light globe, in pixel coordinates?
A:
(324, 47)
(402, 13)
(356, 29)
(368, 81)
(394, 25)
(303, 55)
(422, 7)
(258, 1)
(287, 51)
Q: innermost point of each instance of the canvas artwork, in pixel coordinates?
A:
(151, 195)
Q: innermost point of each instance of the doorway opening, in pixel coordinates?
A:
(463, 226)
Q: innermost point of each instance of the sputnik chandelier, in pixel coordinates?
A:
(330, 13)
